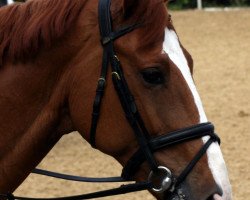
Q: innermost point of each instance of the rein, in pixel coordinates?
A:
(167, 182)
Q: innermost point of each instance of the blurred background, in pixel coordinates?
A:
(187, 4)
(184, 4)
(217, 34)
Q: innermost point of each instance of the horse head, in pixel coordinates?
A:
(157, 71)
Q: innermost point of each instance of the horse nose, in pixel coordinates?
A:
(217, 194)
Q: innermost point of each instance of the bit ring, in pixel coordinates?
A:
(161, 179)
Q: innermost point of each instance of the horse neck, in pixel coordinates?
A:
(34, 112)
(35, 96)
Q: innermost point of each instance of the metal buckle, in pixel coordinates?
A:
(116, 58)
(115, 74)
(101, 85)
(101, 79)
(161, 179)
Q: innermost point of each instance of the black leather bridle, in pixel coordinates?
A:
(160, 178)
(147, 145)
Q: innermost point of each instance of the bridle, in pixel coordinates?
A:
(166, 181)
(147, 145)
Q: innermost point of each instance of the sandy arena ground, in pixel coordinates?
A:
(220, 45)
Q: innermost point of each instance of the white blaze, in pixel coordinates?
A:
(216, 162)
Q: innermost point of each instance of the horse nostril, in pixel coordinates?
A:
(217, 197)
(217, 194)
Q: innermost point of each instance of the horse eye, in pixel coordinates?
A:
(153, 76)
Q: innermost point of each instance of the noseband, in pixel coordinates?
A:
(160, 179)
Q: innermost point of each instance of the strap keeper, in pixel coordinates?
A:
(102, 81)
(215, 138)
(106, 40)
(101, 85)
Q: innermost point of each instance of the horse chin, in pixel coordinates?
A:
(178, 197)
(182, 193)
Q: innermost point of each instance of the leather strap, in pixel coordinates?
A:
(77, 178)
(166, 140)
(126, 99)
(193, 162)
(107, 38)
(124, 189)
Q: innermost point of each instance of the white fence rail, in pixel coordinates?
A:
(10, 1)
(199, 4)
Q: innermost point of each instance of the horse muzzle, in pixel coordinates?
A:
(183, 193)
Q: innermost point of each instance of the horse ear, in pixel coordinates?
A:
(130, 7)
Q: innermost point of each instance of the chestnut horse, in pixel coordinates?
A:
(50, 58)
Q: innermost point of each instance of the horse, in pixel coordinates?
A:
(50, 61)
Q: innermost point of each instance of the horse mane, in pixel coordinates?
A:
(25, 27)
